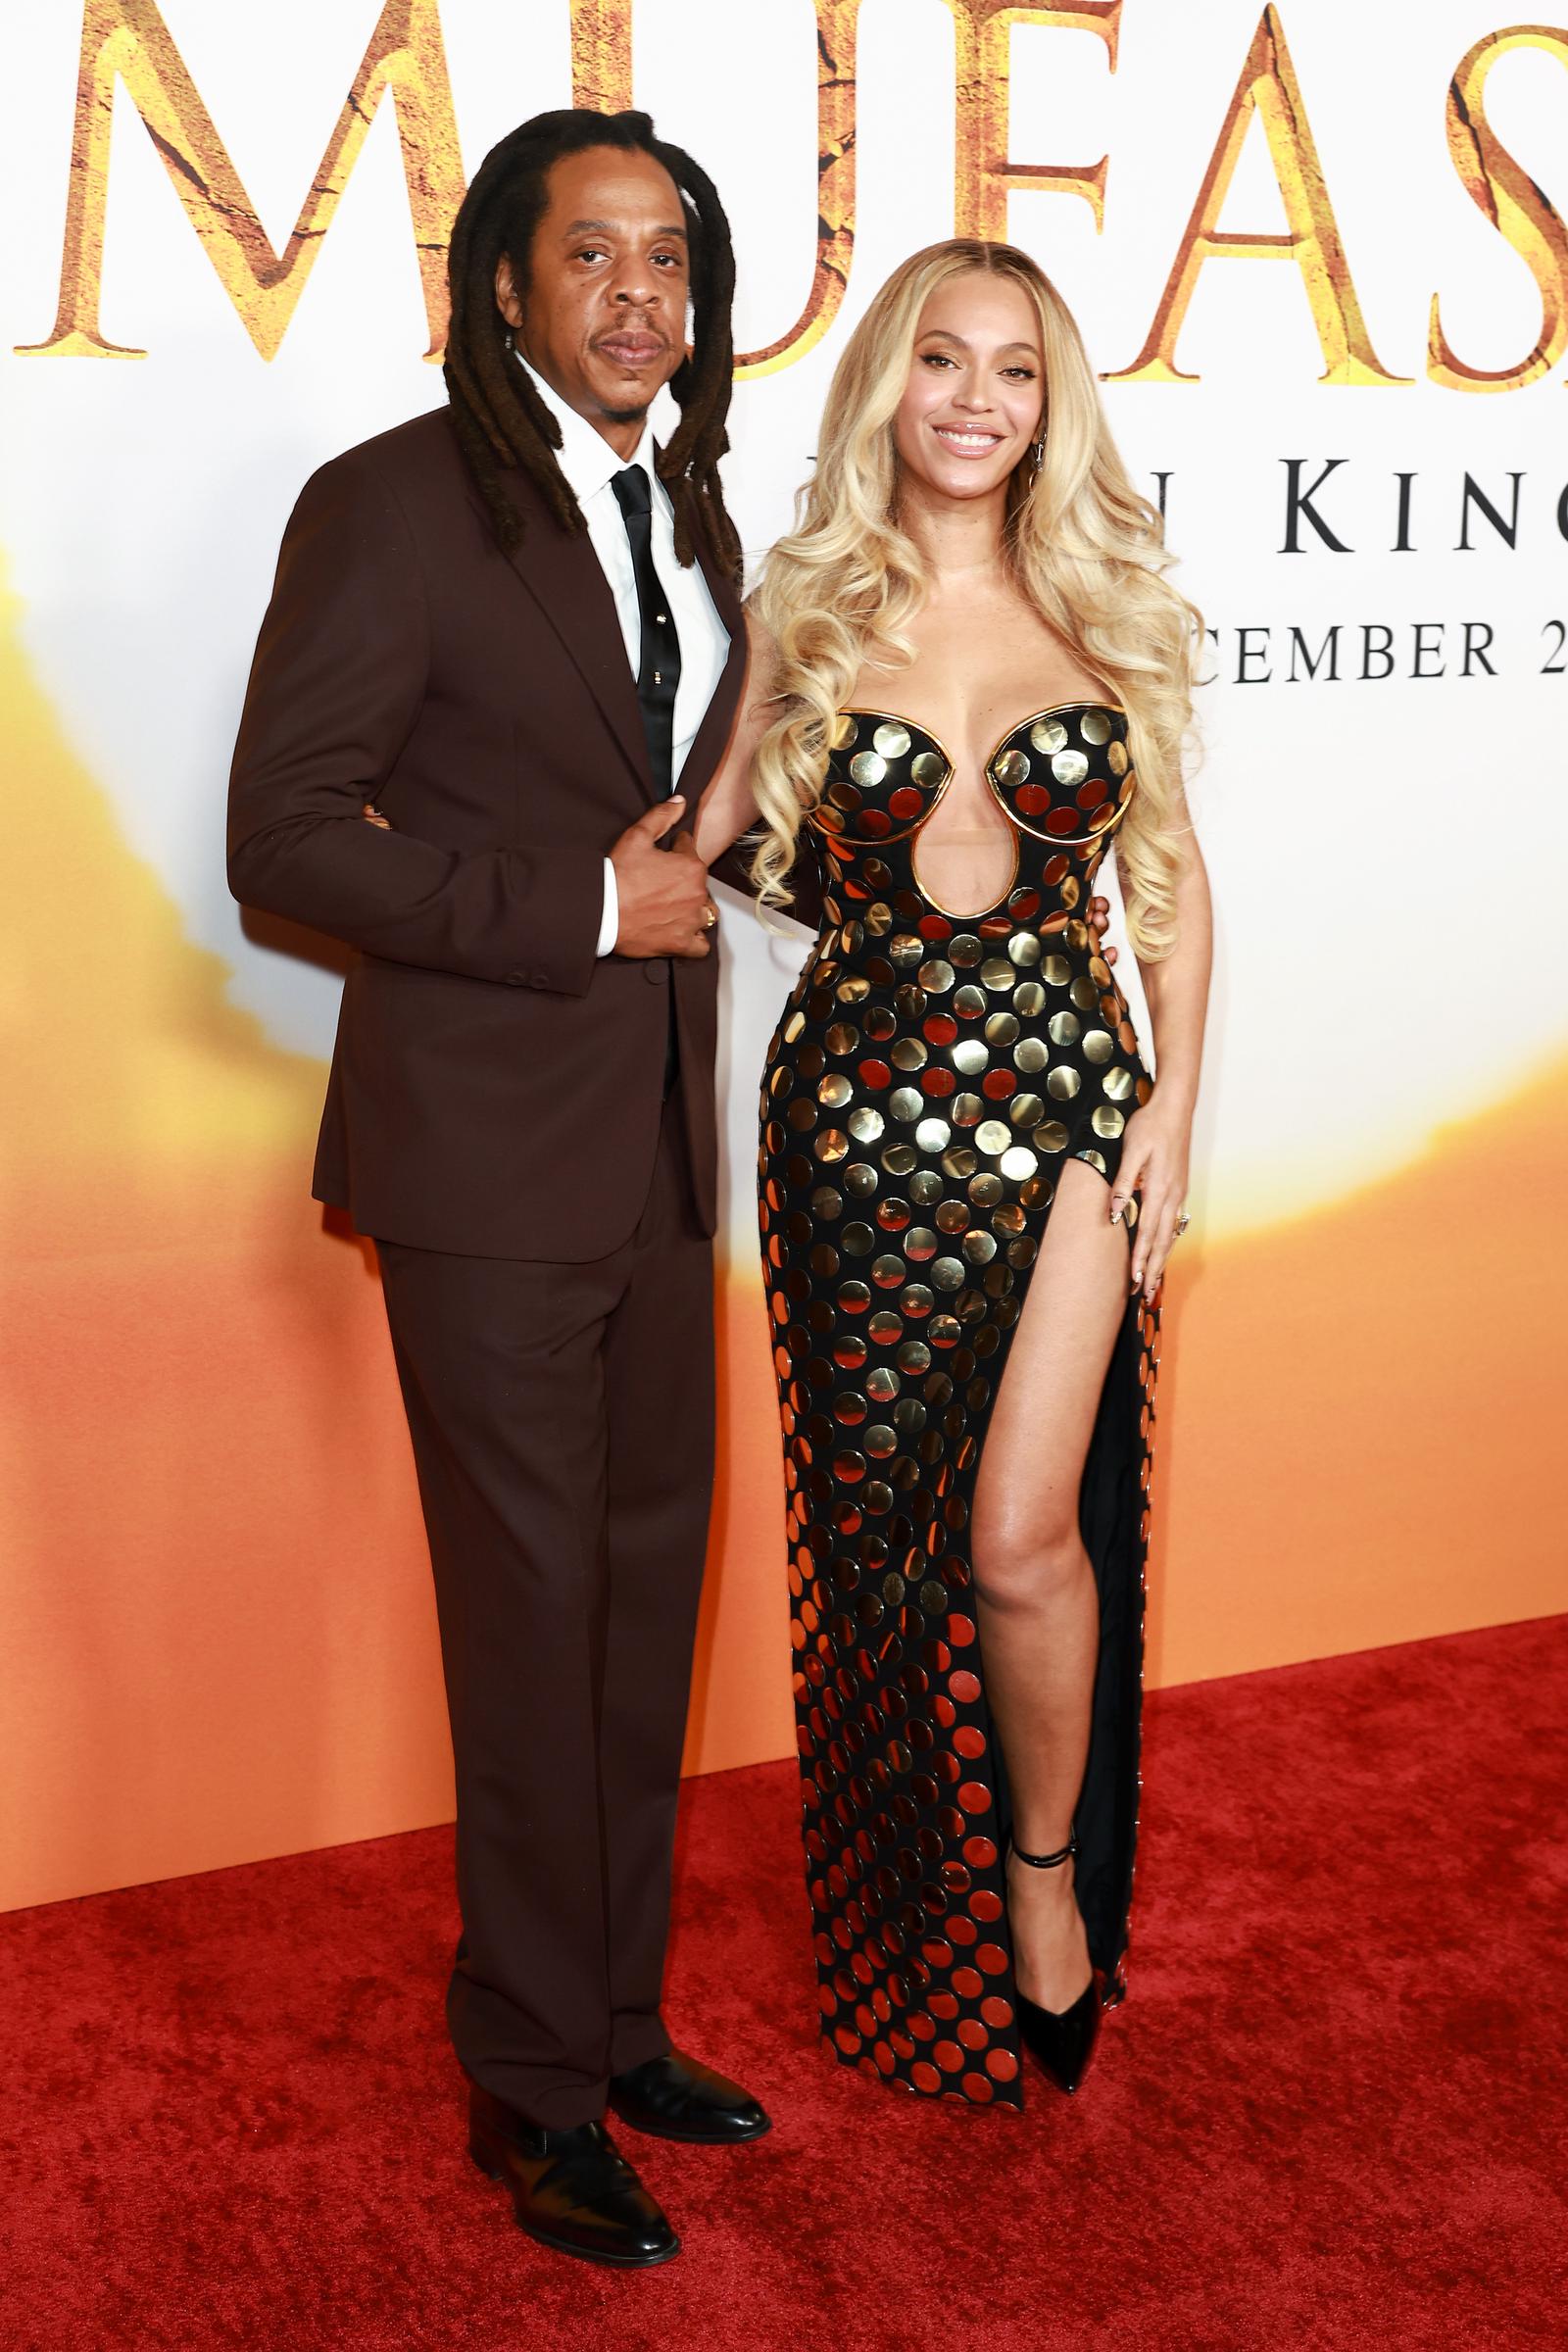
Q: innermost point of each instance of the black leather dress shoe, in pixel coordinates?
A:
(571, 2189)
(674, 2098)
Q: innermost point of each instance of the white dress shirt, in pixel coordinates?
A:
(589, 466)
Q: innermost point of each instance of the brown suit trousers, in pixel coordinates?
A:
(496, 1119)
(562, 1426)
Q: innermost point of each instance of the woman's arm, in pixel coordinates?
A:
(728, 808)
(1155, 1150)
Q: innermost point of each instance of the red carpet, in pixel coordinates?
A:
(1330, 2113)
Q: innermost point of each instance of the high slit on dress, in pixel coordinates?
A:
(930, 1076)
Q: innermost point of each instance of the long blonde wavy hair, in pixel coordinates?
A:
(1085, 550)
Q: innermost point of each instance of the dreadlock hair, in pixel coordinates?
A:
(501, 421)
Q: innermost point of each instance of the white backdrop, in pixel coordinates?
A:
(215, 1632)
(1352, 827)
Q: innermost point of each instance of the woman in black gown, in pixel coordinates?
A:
(969, 679)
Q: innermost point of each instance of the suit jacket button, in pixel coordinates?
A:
(657, 968)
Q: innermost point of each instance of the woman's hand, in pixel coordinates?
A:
(1153, 1165)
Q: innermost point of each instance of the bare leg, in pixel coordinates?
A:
(1038, 1609)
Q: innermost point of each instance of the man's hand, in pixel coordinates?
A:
(663, 894)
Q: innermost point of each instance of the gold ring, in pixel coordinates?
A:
(709, 917)
(1182, 1220)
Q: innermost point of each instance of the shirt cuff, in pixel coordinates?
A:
(610, 920)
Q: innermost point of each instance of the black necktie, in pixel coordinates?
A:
(659, 672)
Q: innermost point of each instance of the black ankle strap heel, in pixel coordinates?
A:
(1063, 1853)
(1062, 2041)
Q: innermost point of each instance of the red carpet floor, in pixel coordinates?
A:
(1330, 2113)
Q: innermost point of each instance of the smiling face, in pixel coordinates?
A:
(603, 316)
(973, 402)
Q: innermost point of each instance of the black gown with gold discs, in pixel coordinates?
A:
(931, 1075)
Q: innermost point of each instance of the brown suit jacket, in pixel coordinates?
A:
(496, 1089)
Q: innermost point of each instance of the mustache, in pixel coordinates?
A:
(630, 324)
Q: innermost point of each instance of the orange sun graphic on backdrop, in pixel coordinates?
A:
(222, 1641)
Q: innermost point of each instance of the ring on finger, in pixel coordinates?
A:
(710, 915)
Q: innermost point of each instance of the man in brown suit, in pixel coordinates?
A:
(512, 625)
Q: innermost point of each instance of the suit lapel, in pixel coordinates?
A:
(714, 734)
(562, 575)
(719, 584)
